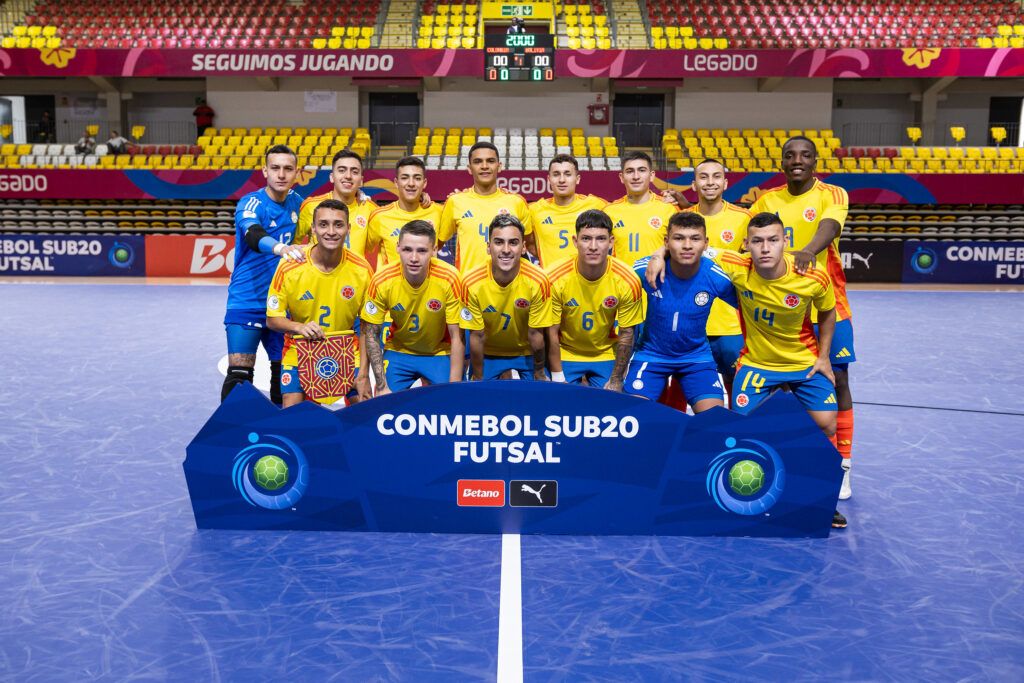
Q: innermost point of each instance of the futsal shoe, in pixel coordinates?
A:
(845, 491)
(838, 521)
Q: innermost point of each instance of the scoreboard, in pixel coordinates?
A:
(519, 57)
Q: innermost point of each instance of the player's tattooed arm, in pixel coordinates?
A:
(828, 230)
(476, 354)
(623, 352)
(375, 354)
(539, 354)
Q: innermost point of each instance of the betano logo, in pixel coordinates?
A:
(481, 493)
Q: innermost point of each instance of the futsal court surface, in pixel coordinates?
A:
(105, 577)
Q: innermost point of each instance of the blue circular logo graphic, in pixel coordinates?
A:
(264, 488)
(924, 260)
(121, 255)
(326, 368)
(753, 468)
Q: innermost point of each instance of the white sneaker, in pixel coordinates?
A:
(845, 491)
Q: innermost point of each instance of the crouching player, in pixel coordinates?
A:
(425, 299)
(589, 295)
(320, 295)
(674, 341)
(508, 307)
(780, 346)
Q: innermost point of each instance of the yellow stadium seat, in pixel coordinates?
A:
(587, 31)
(427, 20)
(9, 41)
(334, 43)
(572, 20)
(319, 43)
(452, 43)
(36, 31)
(1017, 42)
(574, 43)
(985, 42)
(604, 43)
(671, 31)
(468, 43)
(572, 31)
(586, 20)
(689, 43)
(19, 31)
(49, 31)
(38, 42)
(569, 10)
(657, 31)
(338, 32)
(600, 20)
(721, 43)
(1002, 30)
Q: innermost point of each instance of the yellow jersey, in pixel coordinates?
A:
(385, 223)
(467, 215)
(506, 314)
(639, 229)
(554, 226)
(358, 216)
(726, 230)
(420, 316)
(304, 293)
(777, 331)
(587, 310)
(800, 217)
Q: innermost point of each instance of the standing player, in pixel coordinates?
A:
(781, 347)
(347, 178)
(468, 214)
(674, 342)
(813, 214)
(425, 299)
(264, 226)
(385, 223)
(590, 294)
(639, 218)
(322, 294)
(508, 307)
(554, 218)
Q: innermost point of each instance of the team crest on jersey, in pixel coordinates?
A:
(742, 400)
(361, 221)
(522, 303)
(702, 298)
(810, 214)
(727, 236)
(655, 222)
(610, 302)
(791, 301)
(272, 301)
(348, 291)
(371, 308)
(286, 379)
(434, 304)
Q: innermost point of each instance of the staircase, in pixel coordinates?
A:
(399, 24)
(388, 155)
(628, 21)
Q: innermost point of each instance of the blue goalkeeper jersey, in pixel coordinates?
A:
(677, 313)
(253, 271)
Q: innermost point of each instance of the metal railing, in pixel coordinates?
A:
(890, 134)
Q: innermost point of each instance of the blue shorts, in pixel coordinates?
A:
(726, 350)
(290, 383)
(698, 380)
(842, 351)
(494, 366)
(596, 372)
(247, 329)
(402, 369)
(753, 385)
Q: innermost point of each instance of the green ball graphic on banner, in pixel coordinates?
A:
(746, 478)
(271, 472)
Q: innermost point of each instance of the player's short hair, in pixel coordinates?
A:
(418, 228)
(334, 204)
(635, 154)
(280, 149)
(411, 161)
(483, 144)
(593, 218)
(564, 159)
(763, 220)
(505, 220)
(708, 161)
(346, 154)
(689, 220)
(803, 138)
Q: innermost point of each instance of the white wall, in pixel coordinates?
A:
(736, 103)
(471, 102)
(240, 102)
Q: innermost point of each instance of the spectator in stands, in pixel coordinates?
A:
(518, 26)
(204, 116)
(46, 131)
(86, 144)
(117, 144)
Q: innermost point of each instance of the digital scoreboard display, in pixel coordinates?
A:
(519, 57)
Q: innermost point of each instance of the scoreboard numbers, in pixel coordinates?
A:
(519, 57)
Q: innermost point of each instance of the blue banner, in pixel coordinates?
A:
(964, 262)
(513, 457)
(22, 254)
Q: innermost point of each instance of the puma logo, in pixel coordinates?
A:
(526, 488)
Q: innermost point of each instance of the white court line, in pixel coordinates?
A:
(510, 612)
